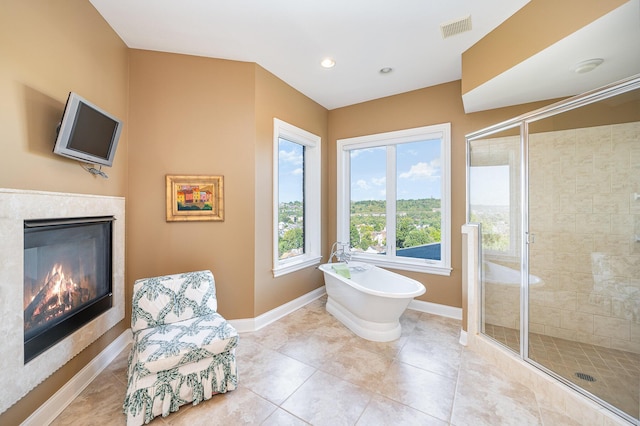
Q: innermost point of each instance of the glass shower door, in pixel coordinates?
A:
(495, 203)
(583, 254)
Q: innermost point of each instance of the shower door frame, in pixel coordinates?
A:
(523, 121)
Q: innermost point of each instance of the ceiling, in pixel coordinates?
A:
(290, 38)
(615, 38)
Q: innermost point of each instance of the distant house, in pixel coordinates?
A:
(188, 196)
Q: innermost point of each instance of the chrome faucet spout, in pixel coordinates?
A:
(333, 252)
(341, 252)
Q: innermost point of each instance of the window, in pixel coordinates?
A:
(296, 192)
(490, 205)
(394, 198)
(494, 193)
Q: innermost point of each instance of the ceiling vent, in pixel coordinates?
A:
(457, 26)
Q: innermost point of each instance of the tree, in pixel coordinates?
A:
(419, 217)
(417, 237)
(492, 238)
(404, 227)
(291, 240)
(366, 237)
(354, 235)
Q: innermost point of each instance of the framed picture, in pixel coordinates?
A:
(191, 198)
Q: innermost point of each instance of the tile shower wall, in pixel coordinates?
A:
(584, 187)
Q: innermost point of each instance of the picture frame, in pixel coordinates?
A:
(195, 198)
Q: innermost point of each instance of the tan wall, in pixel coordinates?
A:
(48, 49)
(274, 98)
(432, 105)
(624, 108)
(196, 115)
(538, 25)
(193, 116)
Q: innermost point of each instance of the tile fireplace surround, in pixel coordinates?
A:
(17, 379)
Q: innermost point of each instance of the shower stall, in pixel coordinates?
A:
(556, 194)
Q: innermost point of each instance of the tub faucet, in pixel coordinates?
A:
(341, 252)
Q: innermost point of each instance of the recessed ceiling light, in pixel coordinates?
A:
(587, 66)
(386, 70)
(328, 63)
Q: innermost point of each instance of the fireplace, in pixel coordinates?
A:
(67, 278)
(17, 206)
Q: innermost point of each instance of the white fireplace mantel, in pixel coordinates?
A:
(16, 206)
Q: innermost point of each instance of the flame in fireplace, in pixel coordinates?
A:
(62, 286)
(59, 294)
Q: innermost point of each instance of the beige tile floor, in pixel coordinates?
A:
(615, 373)
(307, 368)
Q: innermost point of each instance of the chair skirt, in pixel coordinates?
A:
(159, 394)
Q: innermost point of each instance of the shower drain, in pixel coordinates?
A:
(587, 377)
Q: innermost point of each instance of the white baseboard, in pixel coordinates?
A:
(254, 324)
(463, 337)
(436, 309)
(48, 411)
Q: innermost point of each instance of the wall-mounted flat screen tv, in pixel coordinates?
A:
(87, 133)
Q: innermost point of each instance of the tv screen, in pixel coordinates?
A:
(87, 133)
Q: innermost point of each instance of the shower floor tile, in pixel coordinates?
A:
(610, 374)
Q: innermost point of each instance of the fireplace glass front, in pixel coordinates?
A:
(67, 278)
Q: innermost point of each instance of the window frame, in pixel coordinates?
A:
(343, 211)
(312, 197)
(493, 140)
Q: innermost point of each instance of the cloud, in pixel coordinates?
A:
(357, 152)
(290, 157)
(362, 184)
(379, 181)
(366, 185)
(423, 171)
(297, 171)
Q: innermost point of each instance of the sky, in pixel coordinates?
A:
(489, 185)
(418, 171)
(290, 173)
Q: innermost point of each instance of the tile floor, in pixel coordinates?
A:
(307, 368)
(615, 373)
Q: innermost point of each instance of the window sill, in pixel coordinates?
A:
(287, 268)
(425, 268)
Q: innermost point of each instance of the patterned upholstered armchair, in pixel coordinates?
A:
(183, 350)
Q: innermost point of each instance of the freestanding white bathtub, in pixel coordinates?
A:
(371, 301)
(499, 274)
